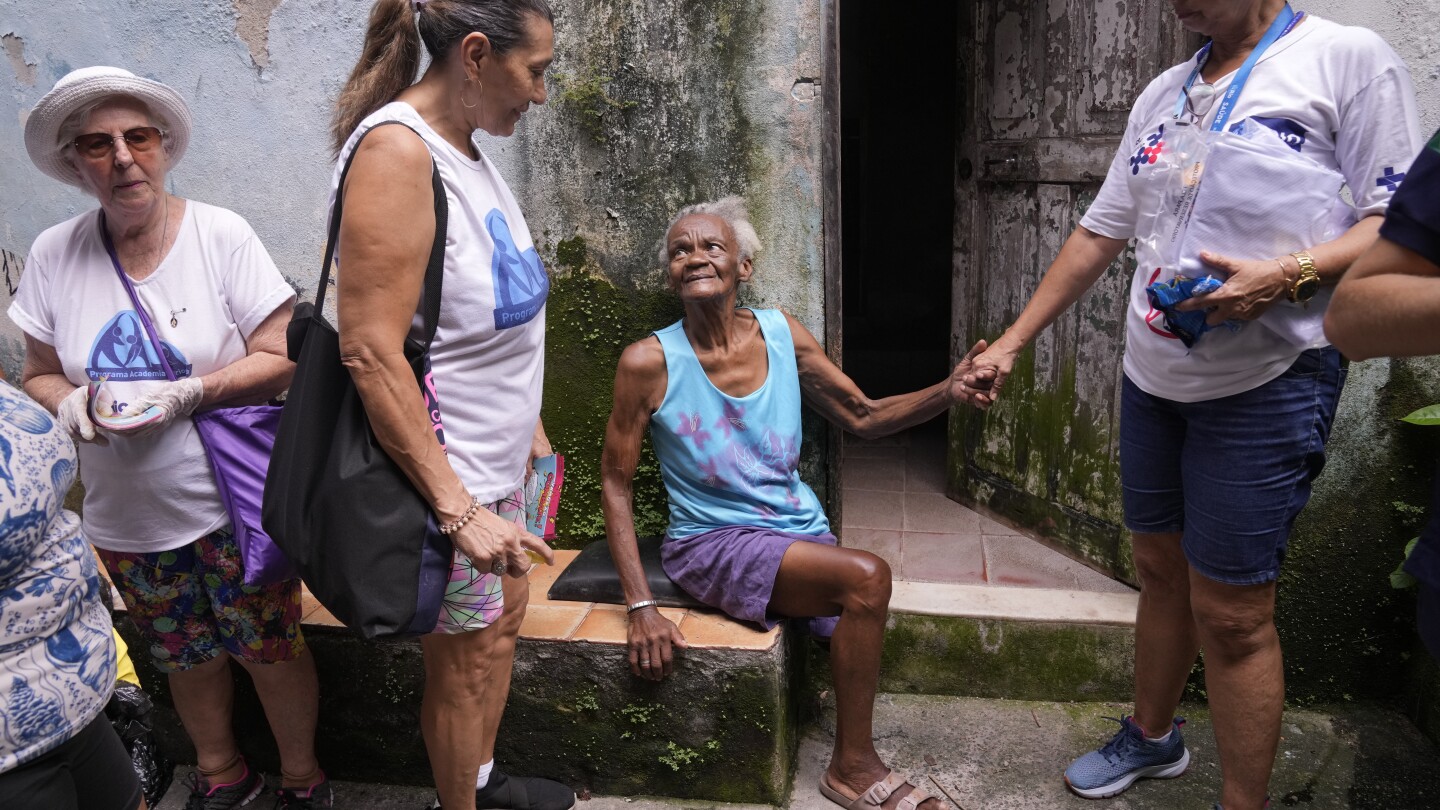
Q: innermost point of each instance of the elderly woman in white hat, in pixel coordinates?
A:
(219, 308)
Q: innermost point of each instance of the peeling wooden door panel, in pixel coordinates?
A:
(1055, 83)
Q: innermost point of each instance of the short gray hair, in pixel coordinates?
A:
(75, 121)
(731, 209)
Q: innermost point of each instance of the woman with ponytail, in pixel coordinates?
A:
(487, 66)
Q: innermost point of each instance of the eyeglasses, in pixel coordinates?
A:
(1198, 100)
(97, 145)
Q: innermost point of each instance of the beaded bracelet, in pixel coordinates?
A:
(456, 524)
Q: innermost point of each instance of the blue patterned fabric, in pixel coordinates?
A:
(57, 656)
(733, 461)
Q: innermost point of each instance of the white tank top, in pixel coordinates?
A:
(488, 357)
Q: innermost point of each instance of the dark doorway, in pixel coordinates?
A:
(898, 91)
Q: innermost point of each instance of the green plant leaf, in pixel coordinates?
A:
(1429, 415)
(1399, 578)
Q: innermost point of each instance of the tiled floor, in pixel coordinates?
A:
(894, 505)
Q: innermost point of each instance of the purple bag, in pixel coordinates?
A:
(238, 442)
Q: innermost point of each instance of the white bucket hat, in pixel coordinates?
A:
(84, 86)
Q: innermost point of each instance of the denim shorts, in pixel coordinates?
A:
(1229, 474)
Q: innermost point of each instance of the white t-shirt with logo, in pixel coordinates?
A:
(488, 359)
(1338, 95)
(214, 287)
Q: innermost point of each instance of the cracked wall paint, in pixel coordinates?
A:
(252, 25)
(15, 52)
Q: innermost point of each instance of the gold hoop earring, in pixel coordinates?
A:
(465, 104)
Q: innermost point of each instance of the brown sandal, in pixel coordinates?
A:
(875, 797)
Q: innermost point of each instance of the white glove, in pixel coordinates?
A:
(176, 399)
(73, 415)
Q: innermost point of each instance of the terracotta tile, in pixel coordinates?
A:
(552, 622)
(873, 510)
(713, 629)
(543, 576)
(320, 617)
(876, 473)
(1022, 562)
(942, 557)
(883, 543)
(925, 475)
(308, 603)
(932, 512)
(603, 626)
(994, 528)
(854, 451)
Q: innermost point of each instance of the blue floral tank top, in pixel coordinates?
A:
(733, 461)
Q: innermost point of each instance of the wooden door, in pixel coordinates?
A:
(1046, 88)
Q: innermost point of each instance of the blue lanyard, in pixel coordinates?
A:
(1282, 24)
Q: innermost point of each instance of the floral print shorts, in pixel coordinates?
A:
(191, 604)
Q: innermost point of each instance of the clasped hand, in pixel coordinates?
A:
(1251, 287)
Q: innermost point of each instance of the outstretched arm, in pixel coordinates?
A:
(1080, 262)
(1388, 304)
(639, 386)
(830, 391)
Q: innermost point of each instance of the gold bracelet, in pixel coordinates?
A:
(458, 523)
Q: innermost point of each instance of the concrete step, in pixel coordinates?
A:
(1009, 755)
(1001, 642)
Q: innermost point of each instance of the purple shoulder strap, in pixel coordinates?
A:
(135, 300)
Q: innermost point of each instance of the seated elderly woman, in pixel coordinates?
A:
(218, 306)
(720, 392)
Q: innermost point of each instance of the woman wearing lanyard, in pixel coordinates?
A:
(1220, 444)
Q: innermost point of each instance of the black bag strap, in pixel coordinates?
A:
(434, 270)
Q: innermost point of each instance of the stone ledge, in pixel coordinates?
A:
(722, 728)
(1015, 604)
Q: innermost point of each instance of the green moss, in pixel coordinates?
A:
(589, 323)
(585, 96)
(1014, 660)
(571, 252)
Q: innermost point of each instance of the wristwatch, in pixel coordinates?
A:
(1307, 284)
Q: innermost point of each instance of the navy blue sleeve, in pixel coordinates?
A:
(1413, 220)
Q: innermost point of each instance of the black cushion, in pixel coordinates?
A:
(591, 577)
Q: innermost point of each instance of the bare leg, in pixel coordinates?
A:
(1245, 678)
(820, 580)
(204, 698)
(290, 692)
(506, 630)
(460, 695)
(1166, 642)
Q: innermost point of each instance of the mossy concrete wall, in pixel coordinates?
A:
(655, 104)
(722, 728)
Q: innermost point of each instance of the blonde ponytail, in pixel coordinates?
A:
(388, 63)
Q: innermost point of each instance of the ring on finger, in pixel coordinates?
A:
(498, 568)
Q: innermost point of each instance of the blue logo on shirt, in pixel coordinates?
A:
(1290, 132)
(521, 285)
(123, 353)
(1391, 179)
(1149, 152)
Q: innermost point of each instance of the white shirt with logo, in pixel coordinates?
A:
(1338, 95)
(214, 287)
(487, 362)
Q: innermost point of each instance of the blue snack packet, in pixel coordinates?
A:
(1164, 295)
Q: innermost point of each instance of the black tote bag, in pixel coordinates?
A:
(363, 539)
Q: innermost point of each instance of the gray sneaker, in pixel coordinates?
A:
(241, 792)
(1127, 757)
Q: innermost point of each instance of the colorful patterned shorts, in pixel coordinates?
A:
(191, 604)
(474, 599)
